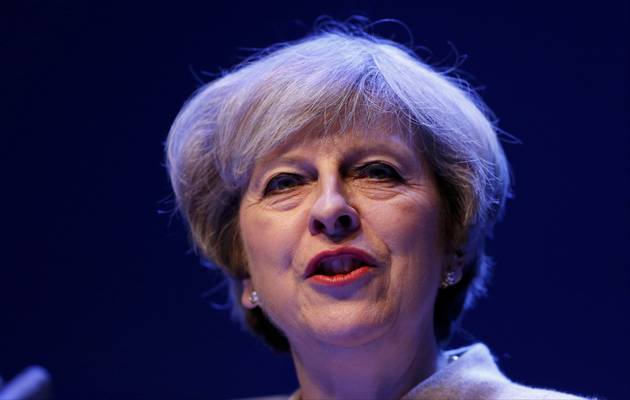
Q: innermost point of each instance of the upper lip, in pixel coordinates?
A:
(317, 259)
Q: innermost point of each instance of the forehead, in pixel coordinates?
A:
(384, 136)
(342, 149)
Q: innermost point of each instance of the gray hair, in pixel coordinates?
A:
(328, 83)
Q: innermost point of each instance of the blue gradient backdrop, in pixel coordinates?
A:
(99, 287)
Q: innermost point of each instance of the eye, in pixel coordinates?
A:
(378, 170)
(282, 182)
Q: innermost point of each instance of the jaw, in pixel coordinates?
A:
(369, 363)
(353, 321)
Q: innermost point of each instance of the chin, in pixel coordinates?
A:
(349, 329)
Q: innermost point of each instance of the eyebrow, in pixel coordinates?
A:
(355, 153)
(378, 148)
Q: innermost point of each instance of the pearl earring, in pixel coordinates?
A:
(253, 297)
(449, 279)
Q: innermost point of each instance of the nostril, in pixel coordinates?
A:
(345, 221)
(319, 226)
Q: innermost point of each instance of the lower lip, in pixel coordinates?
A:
(342, 279)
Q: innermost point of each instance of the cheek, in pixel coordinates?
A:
(418, 242)
(411, 225)
(254, 233)
(410, 228)
(268, 240)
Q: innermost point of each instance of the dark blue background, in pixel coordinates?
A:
(99, 287)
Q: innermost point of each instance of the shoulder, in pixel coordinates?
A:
(516, 391)
(472, 373)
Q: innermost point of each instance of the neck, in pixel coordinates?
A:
(381, 369)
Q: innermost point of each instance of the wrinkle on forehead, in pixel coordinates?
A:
(372, 128)
(385, 130)
(346, 148)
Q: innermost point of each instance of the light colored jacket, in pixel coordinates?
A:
(470, 374)
(473, 374)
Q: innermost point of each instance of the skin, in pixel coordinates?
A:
(371, 191)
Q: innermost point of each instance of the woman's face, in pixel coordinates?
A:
(343, 239)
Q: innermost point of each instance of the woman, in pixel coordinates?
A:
(346, 189)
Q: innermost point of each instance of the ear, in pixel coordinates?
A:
(246, 294)
(455, 262)
(459, 260)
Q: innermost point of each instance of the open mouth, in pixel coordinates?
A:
(340, 263)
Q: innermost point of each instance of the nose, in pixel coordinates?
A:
(332, 215)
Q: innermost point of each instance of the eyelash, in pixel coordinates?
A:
(278, 178)
(361, 171)
(392, 174)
